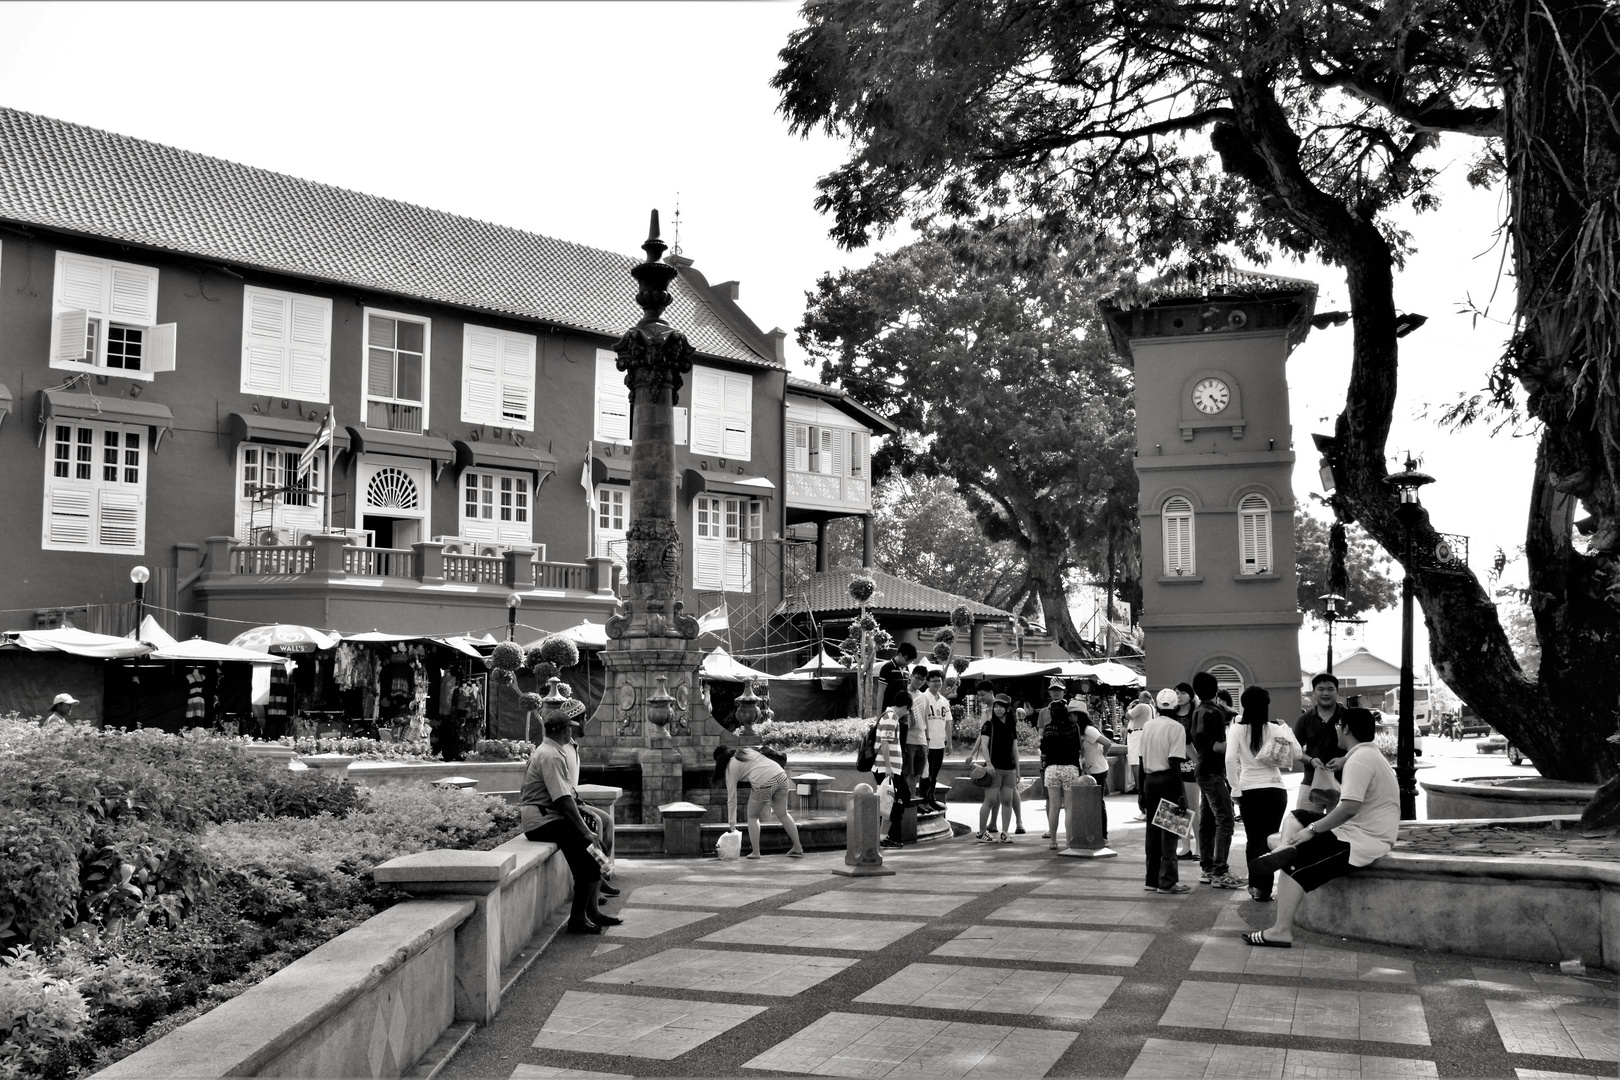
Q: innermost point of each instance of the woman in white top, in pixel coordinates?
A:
(1254, 769)
(768, 784)
(1137, 717)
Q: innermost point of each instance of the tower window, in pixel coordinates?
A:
(1254, 534)
(1179, 549)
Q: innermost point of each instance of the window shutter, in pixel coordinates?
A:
(264, 349)
(517, 380)
(70, 331)
(159, 348)
(480, 375)
(737, 409)
(736, 567)
(612, 399)
(680, 425)
(119, 523)
(857, 454)
(84, 284)
(69, 515)
(835, 452)
(708, 564)
(134, 294)
(799, 447)
(707, 396)
(310, 365)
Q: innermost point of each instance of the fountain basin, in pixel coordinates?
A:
(1504, 796)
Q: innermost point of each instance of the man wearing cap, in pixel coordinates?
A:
(551, 812)
(62, 707)
(1164, 748)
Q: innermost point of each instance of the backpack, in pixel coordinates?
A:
(775, 755)
(866, 754)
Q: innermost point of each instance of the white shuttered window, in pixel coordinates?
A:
(722, 527)
(1254, 534)
(286, 344)
(1179, 549)
(722, 413)
(495, 507)
(95, 489)
(612, 399)
(497, 378)
(612, 519)
(104, 316)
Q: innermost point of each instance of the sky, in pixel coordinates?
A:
(575, 119)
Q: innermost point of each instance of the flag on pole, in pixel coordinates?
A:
(323, 437)
(585, 482)
(714, 621)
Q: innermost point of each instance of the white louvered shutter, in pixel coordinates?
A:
(286, 344)
(799, 447)
(612, 399)
(1254, 518)
(83, 284)
(517, 381)
(310, 348)
(480, 375)
(737, 411)
(835, 451)
(121, 519)
(70, 336)
(70, 514)
(159, 351)
(1177, 522)
(132, 296)
(707, 395)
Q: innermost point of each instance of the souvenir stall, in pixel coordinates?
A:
(295, 697)
(36, 665)
(185, 684)
(407, 688)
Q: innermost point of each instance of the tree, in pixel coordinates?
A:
(984, 342)
(926, 533)
(1182, 133)
(1368, 585)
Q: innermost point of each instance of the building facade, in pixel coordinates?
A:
(1214, 460)
(176, 329)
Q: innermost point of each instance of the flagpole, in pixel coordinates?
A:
(327, 502)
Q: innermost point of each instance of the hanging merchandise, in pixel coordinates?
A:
(351, 666)
(196, 698)
(417, 727)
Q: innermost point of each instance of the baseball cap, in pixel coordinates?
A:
(1055, 682)
(1167, 698)
(65, 699)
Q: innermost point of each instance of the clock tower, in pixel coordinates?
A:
(1214, 461)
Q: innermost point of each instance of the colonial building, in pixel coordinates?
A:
(175, 329)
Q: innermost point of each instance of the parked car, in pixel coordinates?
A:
(1492, 742)
(1469, 723)
(1515, 755)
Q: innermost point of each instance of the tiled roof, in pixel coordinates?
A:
(78, 179)
(1211, 284)
(828, 592)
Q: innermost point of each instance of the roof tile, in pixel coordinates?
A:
(828, 591)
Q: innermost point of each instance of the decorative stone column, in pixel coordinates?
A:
(651, 713)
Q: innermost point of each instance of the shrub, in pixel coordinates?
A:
(501, 750)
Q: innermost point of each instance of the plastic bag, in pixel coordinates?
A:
(885, 793)
(729, 846)
(1324, 791)
(1277, 753)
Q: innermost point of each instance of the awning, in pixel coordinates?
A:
(1003, 667)
(251, 427)
(698, 481)
(62, 405)
(494, 455)
(76, 642)
(402, 444)
(612, 468)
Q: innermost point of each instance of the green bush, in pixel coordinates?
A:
(844, 736)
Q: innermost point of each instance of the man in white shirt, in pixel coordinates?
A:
(1164, 748)
(932, 710)
(1314, 848)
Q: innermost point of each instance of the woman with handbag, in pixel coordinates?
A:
(1258, 749)
(1061, 748)
(998, 740)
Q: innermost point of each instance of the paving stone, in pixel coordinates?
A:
(1113, 887)
(537, 1072)
(775, 974)
(848, 1044)
(705, 895)
(1301, 1011)
(1496, 980)
(1231, 955)
(1113, 948)
(649, 1027)
(1071, 911)
(1056, 995)
(650, 922)
(963, 883)
(1543, 1074)
(1557, 1029)
(803, 932)
(1174, 1058)
(600, 949)
(920, 905)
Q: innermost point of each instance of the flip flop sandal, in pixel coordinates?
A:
(1259, 940)
(753, 855)
(1052, 846)
(795, 854)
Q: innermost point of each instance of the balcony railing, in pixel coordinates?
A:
(828, 488)
(334, 556)
(394, 416)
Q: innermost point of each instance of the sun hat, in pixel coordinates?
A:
(1167, 698)
(65, 699)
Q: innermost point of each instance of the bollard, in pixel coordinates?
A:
(861, 826)
(1087, 821)
(683, 828)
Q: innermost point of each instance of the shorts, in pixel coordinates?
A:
(914, 759)
(1061, 776)
(1320, 859)
(1003, 778)
(763, 795)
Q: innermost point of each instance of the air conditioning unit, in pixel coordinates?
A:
(265, 536)
(488, 549)
(455, 545)
(356, 537)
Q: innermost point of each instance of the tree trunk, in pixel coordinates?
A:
(1046, 583)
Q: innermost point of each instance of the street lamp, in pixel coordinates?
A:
(1410, 514)
(140, 575)
(513, 602)
(1331, 615)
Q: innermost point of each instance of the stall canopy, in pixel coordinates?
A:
(587, 635)
(77, 642)
(823, 664)
(720, 667)
(197, 650)
(1001, 667)
(1106, 672)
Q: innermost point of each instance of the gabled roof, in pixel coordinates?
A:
(841, 400)
(827, 593)
(77, 179)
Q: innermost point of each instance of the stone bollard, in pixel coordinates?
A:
(683, 828)
(1087, 823)
(861, 828)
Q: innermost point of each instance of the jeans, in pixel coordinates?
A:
(936, 762)
(1162, 871)
(902, 799)
(1215, 823)
(1263, 810)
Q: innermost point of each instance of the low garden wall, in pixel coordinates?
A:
(1540, 910)
(1503, 797)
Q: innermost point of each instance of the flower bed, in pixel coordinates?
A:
(146, 877)
(362, 749)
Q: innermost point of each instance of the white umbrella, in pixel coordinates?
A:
(285, 638)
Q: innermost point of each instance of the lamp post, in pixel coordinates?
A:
(513, 602)
(1331, 615)
(139, 575)
(1410, 514)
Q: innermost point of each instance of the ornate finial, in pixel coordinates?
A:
(654, 247)
(653, 277)
(675, 244)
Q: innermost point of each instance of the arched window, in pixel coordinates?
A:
(1228, 679)
(1254, 534)
(1177, 518)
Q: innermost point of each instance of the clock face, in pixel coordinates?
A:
(1211, 395)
